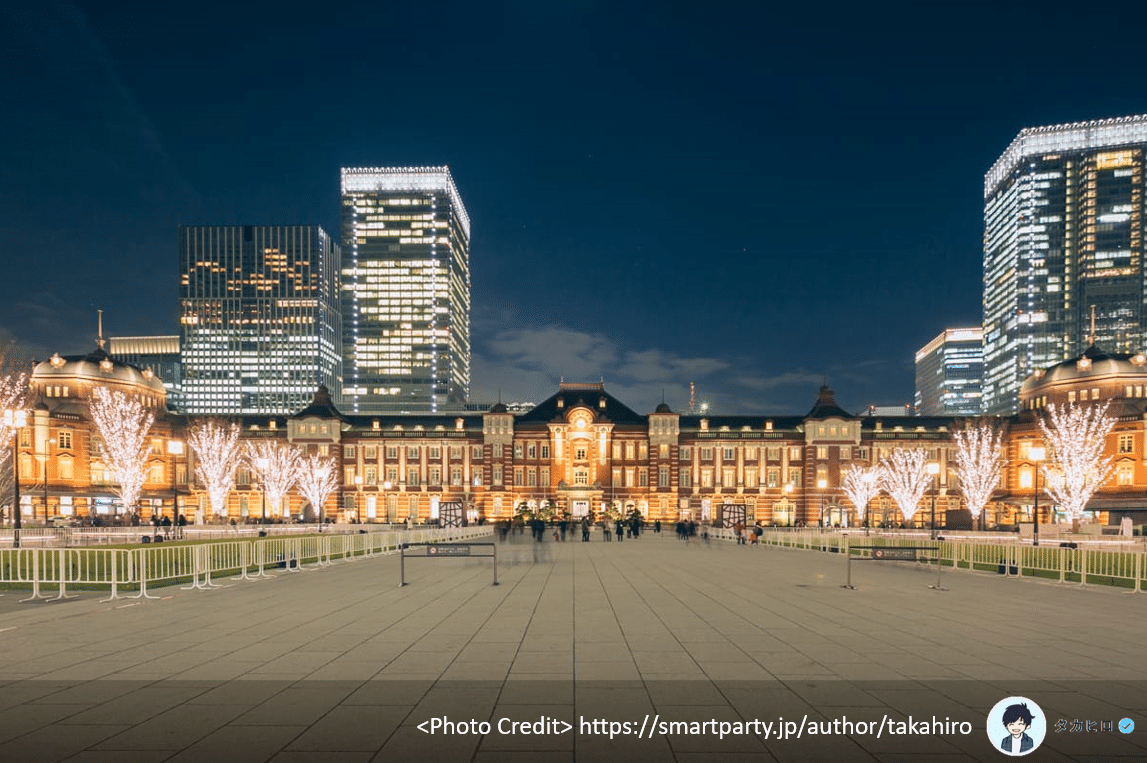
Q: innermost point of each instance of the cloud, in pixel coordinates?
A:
(527, 363)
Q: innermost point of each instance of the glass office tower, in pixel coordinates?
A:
(259, 315)
(1063, 232)
(406, 290)
(949, 372)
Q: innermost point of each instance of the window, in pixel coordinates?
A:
(370, 452)
(349, 452)
(545, 477)
(531, 450)
(497, 474)
(706, 454)
(663, 476)
(686, 453)
(643, 451)
(617, 451)
(845, 452)
(795, 477)
(65, 439)
(862, 454)
(371, 474)
(412, 477)
(795, 453)
(476, 453)
(435, 476)
(1126, 444)
(686, 479)
(663, 451)
(412, 454)
(750, 478)
(706, 478)
(729, 454)
(348, 475)
(774, 453)
(435, 452)
(155, 473)
(580, 453)
(1125, 474)
(545, 451)
(821, 453)
(157, 446)
(392, 475)
(617, 476)
(729, 477)
(773, 475)
(392, 452)
(532, 477)
(455, 475)
(496, 450)
(581, 476)
(629, 475)
(455, 452)
(643, 477)
(65, 469)
(518, 450)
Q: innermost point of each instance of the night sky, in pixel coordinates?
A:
(750, 198)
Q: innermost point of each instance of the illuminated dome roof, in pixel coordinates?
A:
(1112, 374)
(97, 367)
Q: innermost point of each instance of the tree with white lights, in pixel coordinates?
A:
(1077, 435)
(277, 466)
(861, 485)
(979, 462)
(216, 446)
(318, 478)
(13, 398)
(123, 422)
(904, 475)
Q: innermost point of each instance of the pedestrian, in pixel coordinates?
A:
(605, 530)
(166, 526)
(757, 532)
(739, 528)
(234, 526)
(182, 524)
(619, 531)
(585, 529)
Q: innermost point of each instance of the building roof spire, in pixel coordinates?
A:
(100, 329)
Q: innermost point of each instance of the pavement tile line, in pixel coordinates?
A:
(892, 644)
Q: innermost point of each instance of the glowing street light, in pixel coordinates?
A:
(934, 471)
(1036, 453)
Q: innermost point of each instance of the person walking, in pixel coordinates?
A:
(585, 529)
(619, 530)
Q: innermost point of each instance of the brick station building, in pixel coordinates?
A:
(579, 451)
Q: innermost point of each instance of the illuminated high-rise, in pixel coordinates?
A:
(1063, 232)
(406, 290)
(259, 317)
(949, 372)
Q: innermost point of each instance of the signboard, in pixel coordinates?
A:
(438, 550)
(894, 554)
(733, 514)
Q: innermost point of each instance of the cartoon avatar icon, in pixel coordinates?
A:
(1017, 720)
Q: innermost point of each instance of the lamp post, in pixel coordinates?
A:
(934, 471)
(1037, 453)
(821, 484)
(788, 490)
(262, 465)
(174, 449)
(357, 496)
(47, 450)
(386, 485)
(16, 419)
(869, 477)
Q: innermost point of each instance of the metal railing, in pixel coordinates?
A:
(1109, 563)
(68, 570)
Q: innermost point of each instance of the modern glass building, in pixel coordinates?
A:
(949, 373)
(1063, 232)
(406, 290)
(158, 353)
(259, 315)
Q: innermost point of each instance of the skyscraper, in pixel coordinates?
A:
(259, 315)
(406, 290)
(1063, 231)
(949, 370)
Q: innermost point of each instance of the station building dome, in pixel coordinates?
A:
(1094, 376)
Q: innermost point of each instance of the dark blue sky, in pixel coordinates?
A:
(747, 198)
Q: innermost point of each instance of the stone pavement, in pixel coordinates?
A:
(341, 664)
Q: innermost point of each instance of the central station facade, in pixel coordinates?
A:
(579, 452)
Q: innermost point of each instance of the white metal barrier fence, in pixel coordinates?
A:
(1066, 562)
(40, 570)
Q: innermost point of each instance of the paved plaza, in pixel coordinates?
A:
(343, 664)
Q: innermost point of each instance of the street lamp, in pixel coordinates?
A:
(869, 477)
(47, 450)
(1036, 453)
(386, 485)
(788, 490)
(262, 464)
(16, 419)
(934, 470)
(821, 484)
(174, 449)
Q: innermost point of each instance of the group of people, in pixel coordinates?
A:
(166, 524)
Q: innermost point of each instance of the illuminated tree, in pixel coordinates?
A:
(1077, 435)
(216, 446)
(979, 462)
(317, 479)
(13, 397)
(861, 485)
(277, 466)
(123, 423)
(904, 475)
